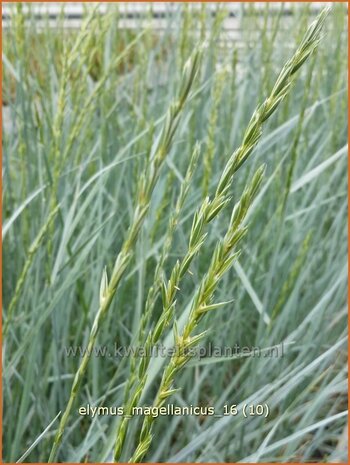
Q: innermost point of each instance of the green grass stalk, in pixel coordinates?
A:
(21, 280)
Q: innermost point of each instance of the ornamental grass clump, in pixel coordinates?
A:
(185, 254)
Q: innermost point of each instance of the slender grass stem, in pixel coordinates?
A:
(30, 256)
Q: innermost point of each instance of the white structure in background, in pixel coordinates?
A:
(136, 14)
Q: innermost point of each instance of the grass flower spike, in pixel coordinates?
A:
(146, 186)
(211, 208)
(222, 259)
